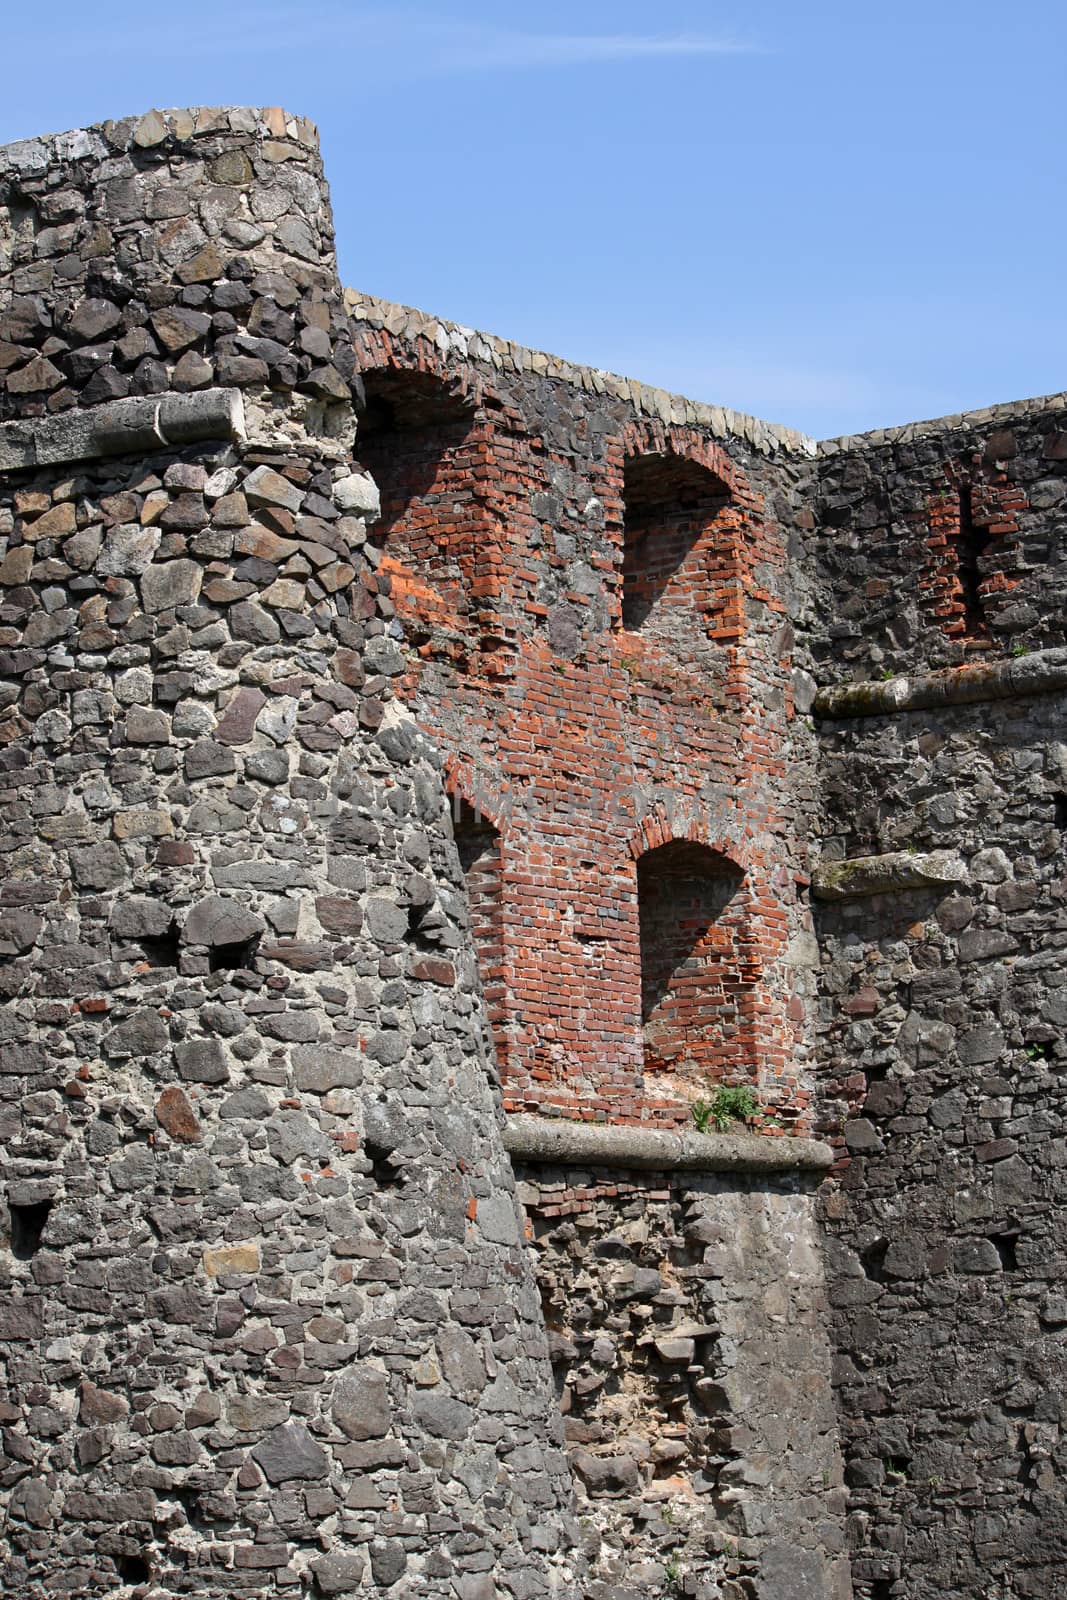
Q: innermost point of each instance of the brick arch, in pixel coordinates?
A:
(680, 509)
(378, 350)
(645, 436)
(669, 824)
(696, 972)
(431, 449)
(462, 784)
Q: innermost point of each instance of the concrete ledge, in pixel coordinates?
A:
(555, 1142)
(1043, 672)
(888, 874)
(123, 427)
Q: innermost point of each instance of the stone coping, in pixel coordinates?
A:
(553, 1141)
(1042, 672)
(122, 427)
(1010, 411)
(29, 158)
(504, 355)
(888, 874)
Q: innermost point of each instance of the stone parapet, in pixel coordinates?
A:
(505, 356)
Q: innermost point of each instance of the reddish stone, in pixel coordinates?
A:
(98, 1405)
(175, 1114)
(348, 668)
(338, 914)
(174, 853)
(239, 719)
(433, 969)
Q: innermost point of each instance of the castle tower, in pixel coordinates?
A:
(268, 1324)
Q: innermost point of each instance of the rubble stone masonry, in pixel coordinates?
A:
(432, 774)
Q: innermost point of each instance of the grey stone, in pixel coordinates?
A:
(442, 1416)
(289, 1454)
(341, 1572)
(291, 1135)
(388, 1561)
(357, 493)
(360, 1405)
(318, 1068)
(98, 866)
(250, 621)
(267, 766)
(202, 1061)
(386, 921)
(606, 1474)
(217, 920)
(786, 1573)
(143, 1034)
(265, 487)
(167, 584)
(207, 759)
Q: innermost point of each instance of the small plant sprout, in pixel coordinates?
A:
(731, 1103)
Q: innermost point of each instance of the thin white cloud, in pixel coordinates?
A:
(397, 44)
(487, 50)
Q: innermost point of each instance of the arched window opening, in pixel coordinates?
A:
(481, 858)
(419, 439)
(671, 559)
(695, 974)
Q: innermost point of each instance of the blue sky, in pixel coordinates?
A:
(837, 216)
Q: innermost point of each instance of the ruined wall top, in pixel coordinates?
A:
(52, 240)
(175, 252)
(504, 355)
(768, 438)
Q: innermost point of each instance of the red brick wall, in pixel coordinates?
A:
(510, 541)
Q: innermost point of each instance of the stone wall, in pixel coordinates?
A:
(686, 1318)
(754, 757)
(940, 543)
(944, 1002)
(267, 1319)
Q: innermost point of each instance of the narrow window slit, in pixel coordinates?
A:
(27, 1227)
(971, 543)
(873, 1259)
(133, 1569)
(233, 957)
(161, 950)
(1006, 1246)
(478, 844)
